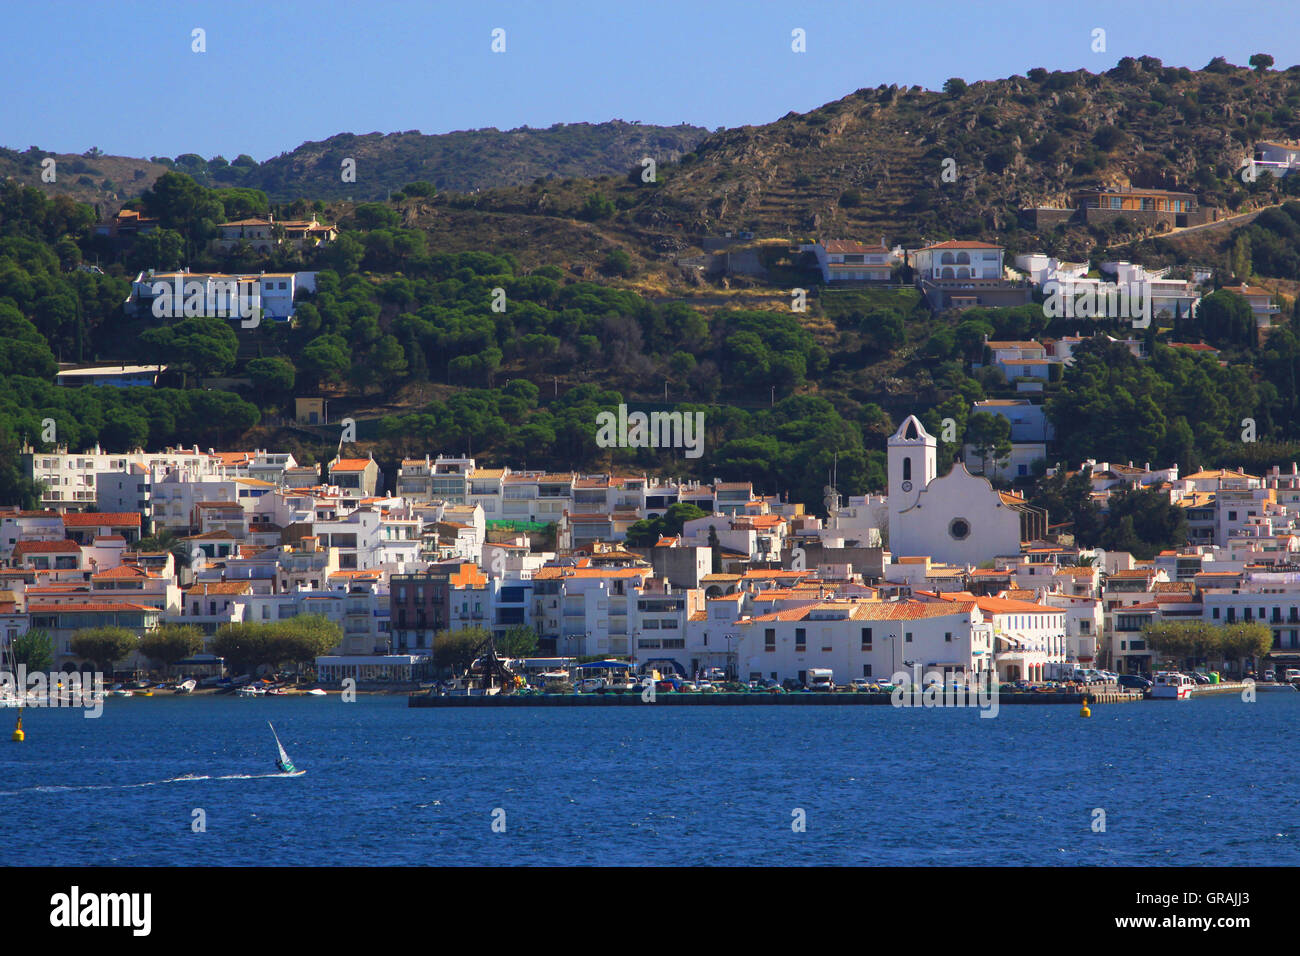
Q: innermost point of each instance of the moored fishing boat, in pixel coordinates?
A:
(1171, 685)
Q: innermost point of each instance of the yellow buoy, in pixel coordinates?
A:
(19, 736)
(1084, 711)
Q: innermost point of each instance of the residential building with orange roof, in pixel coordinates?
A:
(264, 235)
(867, 639)
(355, 477)
(17, 525)
(1261, 302)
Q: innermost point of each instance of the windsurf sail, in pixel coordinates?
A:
(284, 763)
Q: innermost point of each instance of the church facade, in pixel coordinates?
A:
(957, 518)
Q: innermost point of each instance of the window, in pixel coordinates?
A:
(769, 639)
(959, 529)
(866, 638)
(907, 468)
(800, 639)
(866, 670)
(907, 638)
(947, 636)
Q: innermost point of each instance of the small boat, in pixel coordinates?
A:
(284, 763)
(122, 692)
(1171, 685)
(186, 687)
(250, 690)
(316, 692)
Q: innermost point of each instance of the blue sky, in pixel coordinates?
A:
(123, 77)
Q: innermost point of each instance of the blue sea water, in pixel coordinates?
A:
(1201, 782)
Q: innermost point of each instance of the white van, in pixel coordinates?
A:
(821, 678)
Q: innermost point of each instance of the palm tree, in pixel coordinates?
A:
(164, 540)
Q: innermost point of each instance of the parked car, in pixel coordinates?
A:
(591, 684)
(1199, 677)
(791, 683)
(1270, 675)
(1134, 682)
(861, 683)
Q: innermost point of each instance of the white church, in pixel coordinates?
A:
(959, 518)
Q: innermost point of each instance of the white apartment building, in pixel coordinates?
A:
(958, 259)
(871, 639)
(586, 610)
(71, 480)
(191, 294)
(842, 260)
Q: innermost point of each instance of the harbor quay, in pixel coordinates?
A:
(723, 699)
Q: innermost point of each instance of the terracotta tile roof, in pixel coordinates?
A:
(213, 588)
(89, 606)
(105, 519)
(1010, 606)
(351, 464)
(125, 571)
(960, 244)
(46, 547)
(911, 610)
(549, 574)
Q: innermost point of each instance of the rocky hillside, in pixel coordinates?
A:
(463, 161)
(874, 162)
